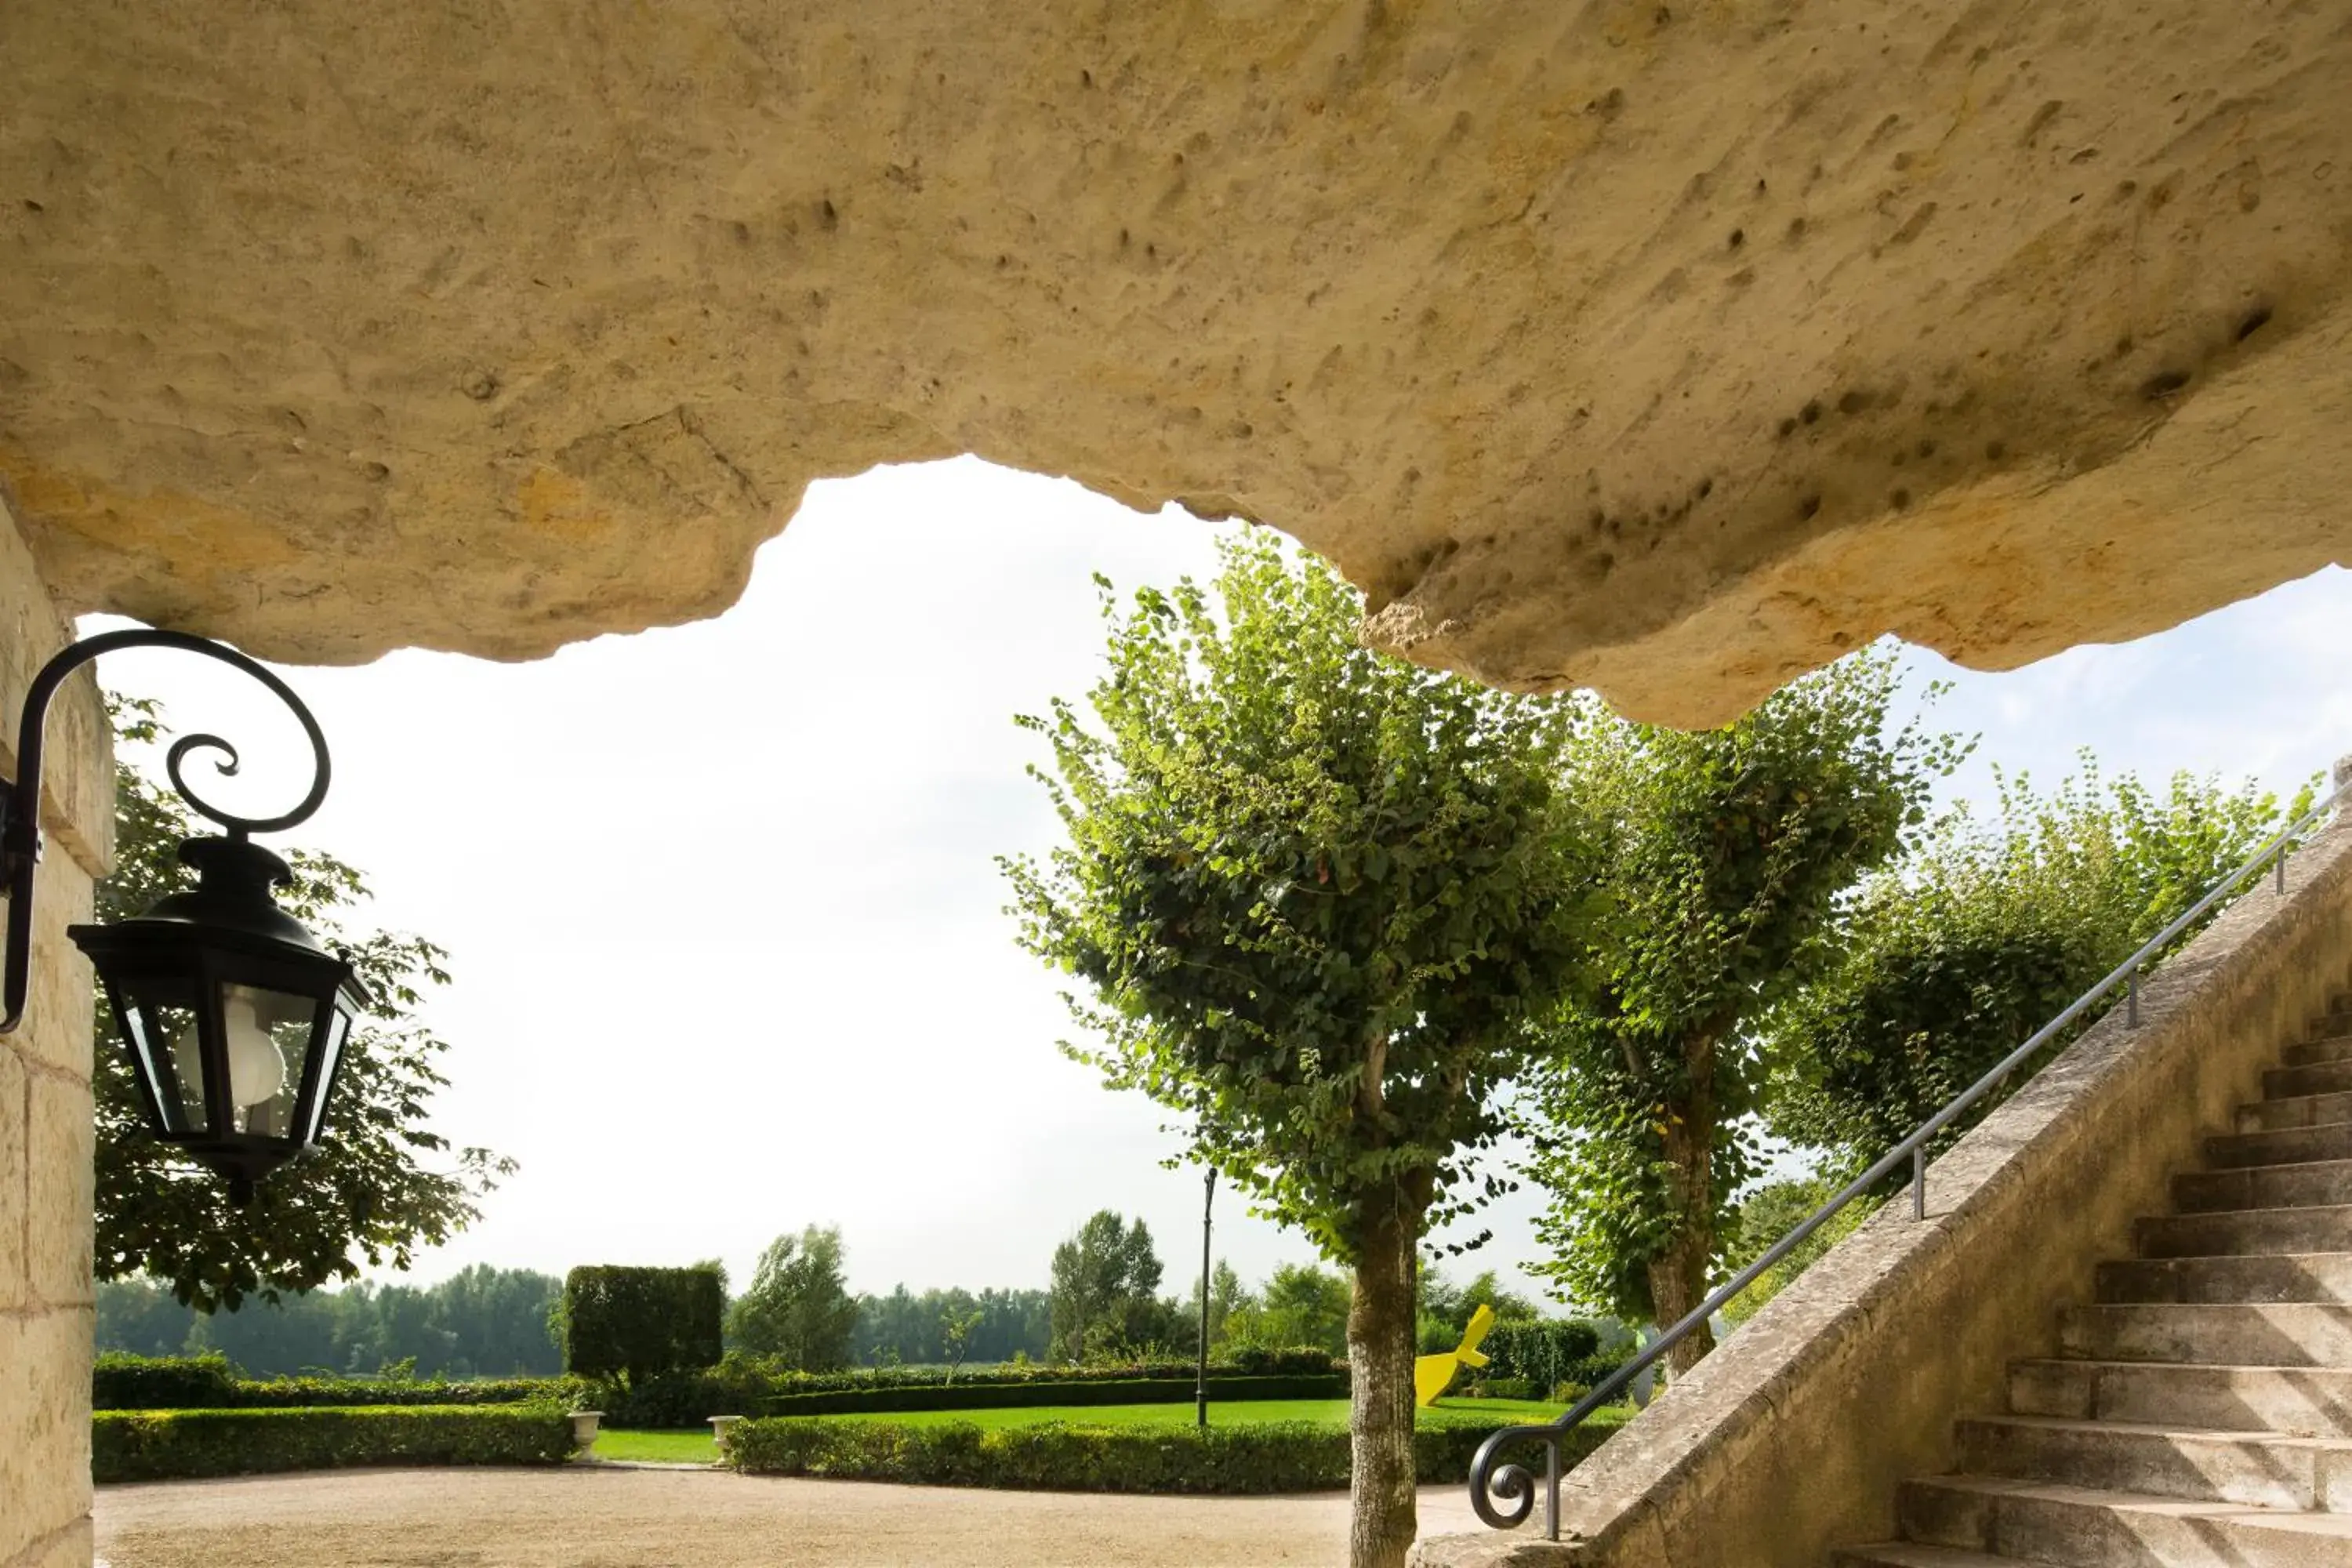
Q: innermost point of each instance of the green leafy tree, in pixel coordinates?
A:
(1301, 1305)
(141, 1318)
(1771, 1211)
(1317, 897)
(1444, 1308)
(1951, 960)
(799, 1308)
(1727, 851)
(1227, 1298)
(368, 1195)
(956, 1329)
(1105, 1292)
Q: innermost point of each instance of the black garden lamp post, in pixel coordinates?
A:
(233, 1017)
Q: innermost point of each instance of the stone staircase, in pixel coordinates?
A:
(2200, 1414)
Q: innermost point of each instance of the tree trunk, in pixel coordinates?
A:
(1678, 1273)
(1380, 1364)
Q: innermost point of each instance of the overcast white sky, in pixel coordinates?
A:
(725, 920)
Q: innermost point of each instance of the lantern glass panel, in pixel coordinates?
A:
(268, 1036)
(331, 1057)
(159, 1015)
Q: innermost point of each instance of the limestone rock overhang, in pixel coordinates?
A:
(1667, 348)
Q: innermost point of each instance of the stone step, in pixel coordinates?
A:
(2319, 1077)
(2300, 1111)
(2306, 1401)
(2315, 1183)
(2081, 1527)
(1912, 1554)
(2323, 1277)
(2240, 1233)
(2280, 1146)
(2294, 1334)
(2333, 1044)
(2270, 1470)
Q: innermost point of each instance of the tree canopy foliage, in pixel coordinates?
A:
(1950, 960)
(1724, 853)
(1300, 1306)
(1105, 1292)
(798, 1308)
(1320, 900)
(369, 1194)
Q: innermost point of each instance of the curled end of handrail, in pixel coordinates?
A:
(1505, 1495)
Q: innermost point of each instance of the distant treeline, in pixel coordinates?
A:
(1103, 1305)
(911, 1330)
(494, 1322)
(483, 1322)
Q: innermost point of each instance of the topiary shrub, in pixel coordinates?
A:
(641, 1322)
(158, 1445)
(119, 1380)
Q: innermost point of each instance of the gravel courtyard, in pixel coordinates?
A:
(593, 1517)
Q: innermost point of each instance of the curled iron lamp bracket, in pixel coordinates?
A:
(20, 802)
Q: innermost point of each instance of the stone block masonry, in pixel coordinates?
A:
(46, 1120)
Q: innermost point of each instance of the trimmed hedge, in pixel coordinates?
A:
(122, 1382)
(740, 1385)
(1543, 1352)
(1273, 1457)
(159, 1444)
(639, 1322)
(744, 1385)
(1041, 1391)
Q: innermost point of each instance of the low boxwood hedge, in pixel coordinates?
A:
(1273, 1456)
(1041, 1392)
(157, 1444)
(745, 1385)
(123, 1381)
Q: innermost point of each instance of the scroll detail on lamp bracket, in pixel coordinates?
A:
(232, 1019)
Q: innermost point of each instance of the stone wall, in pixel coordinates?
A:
(45, 1109)
(1791, 1438)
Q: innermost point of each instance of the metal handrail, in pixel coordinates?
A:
(1515, 1486)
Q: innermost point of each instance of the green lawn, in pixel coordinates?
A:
(697, 1447)
(663, 1447)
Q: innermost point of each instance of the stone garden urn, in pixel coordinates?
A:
(721, 1426)
(584, 1431)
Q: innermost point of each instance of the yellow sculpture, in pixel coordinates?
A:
(1431, 1374)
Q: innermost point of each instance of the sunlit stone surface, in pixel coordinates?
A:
(1673, 347)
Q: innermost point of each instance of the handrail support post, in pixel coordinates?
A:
(2131, 1001)
(1551, 1489)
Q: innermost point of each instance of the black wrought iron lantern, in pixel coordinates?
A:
(234, 1019)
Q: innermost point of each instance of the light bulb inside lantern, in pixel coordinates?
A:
(256, 1072)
